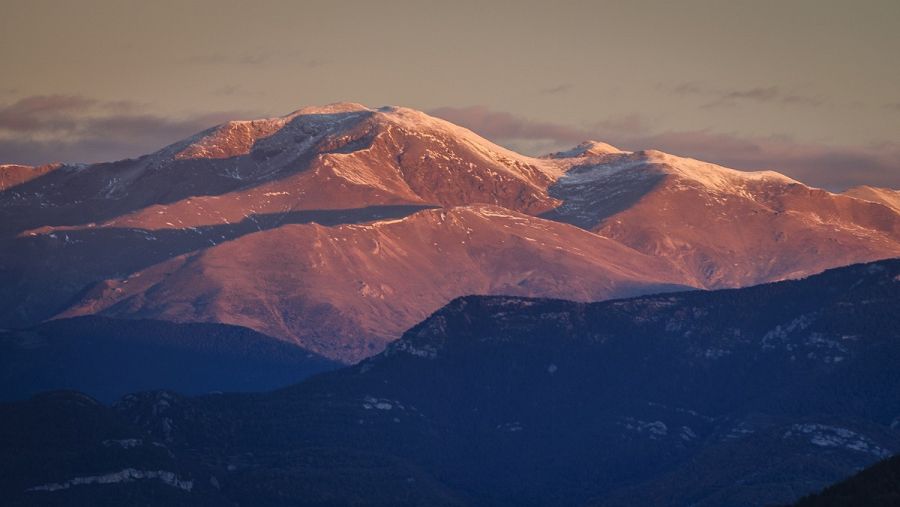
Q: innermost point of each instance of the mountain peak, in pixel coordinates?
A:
(588, 148)
(652, 163)
(711, 176)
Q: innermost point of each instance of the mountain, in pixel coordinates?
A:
(319, 158)
(720, 227)
(751, 396)
(876, 486)
(358, 207)
(109, 358)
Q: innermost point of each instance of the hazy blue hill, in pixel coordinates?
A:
(107, 358)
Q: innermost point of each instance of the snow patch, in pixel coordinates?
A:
(654, 429)
(373, 403)
(511, 427)
(425, 351)
(687, 434)
(822, 435)
(741, 430)
(125, 443)
(126, 475)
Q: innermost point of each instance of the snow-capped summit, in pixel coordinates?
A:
(723, 226)
(711, 176)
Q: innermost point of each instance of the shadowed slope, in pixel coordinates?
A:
(109, 358)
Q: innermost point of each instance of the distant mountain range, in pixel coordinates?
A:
(336, 228)
(741, 397)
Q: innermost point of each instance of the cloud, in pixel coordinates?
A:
(501, 125)
(761, 94)
(232, 90)
(556, 90)
(42, 112)
(723, 97)
(226, 59)
(631, 124)
(831, 167)
(71, 128)
(254, 59)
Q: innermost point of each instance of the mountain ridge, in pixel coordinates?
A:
(79, 232)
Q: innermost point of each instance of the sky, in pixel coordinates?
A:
(808, 88)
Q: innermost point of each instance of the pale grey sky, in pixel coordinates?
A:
(811, 88)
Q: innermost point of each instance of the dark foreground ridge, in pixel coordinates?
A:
(741, 397)
(876, 486)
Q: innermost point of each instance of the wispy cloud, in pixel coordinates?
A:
(226, 59)
(72, 128)
(556, 90)
(232, 90)
(501, 125)
(255, 58)
(629, 124)
(722, 97)
(832, 167)
(43, 113)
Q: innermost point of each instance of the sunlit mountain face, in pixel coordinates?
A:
(336, 228)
